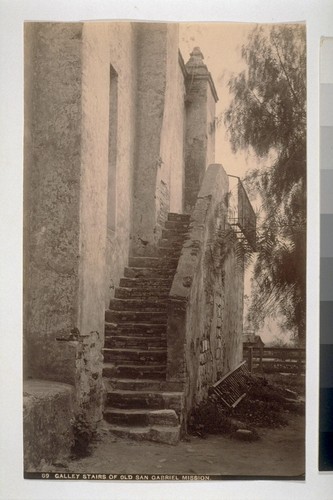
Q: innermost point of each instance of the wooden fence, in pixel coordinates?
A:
(275, 359)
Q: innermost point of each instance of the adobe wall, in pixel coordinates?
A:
(122, 53)
(66, 196)
(159, 133)
(171, 171)
(205, 311)
(52, 156)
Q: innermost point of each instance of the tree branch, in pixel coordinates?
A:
(285, 72)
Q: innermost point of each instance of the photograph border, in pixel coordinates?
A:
(318, 17)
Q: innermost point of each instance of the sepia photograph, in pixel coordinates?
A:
(164, 280)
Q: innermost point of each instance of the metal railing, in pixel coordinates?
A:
(241, 215)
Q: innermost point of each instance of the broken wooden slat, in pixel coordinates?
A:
(231, 388)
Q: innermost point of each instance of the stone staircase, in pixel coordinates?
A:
(140, 403)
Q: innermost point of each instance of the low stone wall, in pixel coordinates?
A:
(205, 310)
(48, 412)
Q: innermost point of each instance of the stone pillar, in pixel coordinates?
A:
(151, 84)
(159, 131)
(200, 101)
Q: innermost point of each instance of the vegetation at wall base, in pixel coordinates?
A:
(266, 405)
(84, 434)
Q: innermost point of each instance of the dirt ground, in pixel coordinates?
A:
(278, 452)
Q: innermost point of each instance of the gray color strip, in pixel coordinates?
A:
(326, 278)
(326, 365)
(326, 148)
(326, 104)
(326, 235)
(326, 323)
(326, 192)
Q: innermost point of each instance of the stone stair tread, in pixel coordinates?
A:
(122, 349)
(133, 380)
(129, 288)
(155, 262)
(136, 302)
(145, 270)
(144, 292)
(111, 324)
(172, 215)
(133, 371)
(146, 280)
(145, 411)
(164, 242)
(144, 391)
(130, 311)
(140, 429)
(139, 337)
(130, 316)
(159, 433)
(139, 341)
(135, 329)
(131, 365)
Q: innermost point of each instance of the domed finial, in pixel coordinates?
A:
(196, 53)
(195, 63)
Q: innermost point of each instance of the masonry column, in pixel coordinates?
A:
(200, 101)
(157, 64)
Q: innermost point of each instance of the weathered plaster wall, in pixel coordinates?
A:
(171, 171)
(232, 305)
(159, 132)
(206, 300)
(66, 189)
(93, 215)
(151, 83)
(51, 196)
(122, 55)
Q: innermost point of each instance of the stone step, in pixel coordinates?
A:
(138, 304)
(141, 417)
(146, 283)
(135, 356)
(169, 251)
(149, 272)
(159, 434)
(155, 262)
(142, 384)
(173, 234)
(155, 372)
(179, 217)
(153, 400)
(166, 243)
(154, 317)
(135, 330)
(143, 293)
(178, 225)
(140, 343)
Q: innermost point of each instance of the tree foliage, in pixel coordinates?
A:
(268, 114)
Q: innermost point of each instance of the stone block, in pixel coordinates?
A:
(48, 409)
